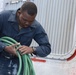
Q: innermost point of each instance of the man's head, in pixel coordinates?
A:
(27, 13)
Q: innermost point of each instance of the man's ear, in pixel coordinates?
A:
(18, 12)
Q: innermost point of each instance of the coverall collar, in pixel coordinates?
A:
(12, 18)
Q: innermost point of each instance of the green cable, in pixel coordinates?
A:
(25, 70)
(10, 39)
(27, 63)
(6, 41)
(31, 66)
(20, 60)
(20, 63)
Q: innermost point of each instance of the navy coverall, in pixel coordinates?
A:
(9, 27)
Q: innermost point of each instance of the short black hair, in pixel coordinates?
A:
(30, 7)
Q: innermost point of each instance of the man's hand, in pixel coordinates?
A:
(25, 50)
(11, 49)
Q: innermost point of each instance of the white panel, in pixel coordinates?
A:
(58, 18)
(1, 5)
(12, 4)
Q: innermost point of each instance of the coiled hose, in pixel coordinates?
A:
(23, 59)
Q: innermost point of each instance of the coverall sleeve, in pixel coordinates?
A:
(41, 38)
(2, 45)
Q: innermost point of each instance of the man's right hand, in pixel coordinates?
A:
(11, 49)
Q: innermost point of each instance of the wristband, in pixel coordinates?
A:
(34, 49)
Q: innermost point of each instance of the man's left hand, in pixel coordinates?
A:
(25, 50)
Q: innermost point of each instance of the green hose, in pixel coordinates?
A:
(27, 63)
(4, 39)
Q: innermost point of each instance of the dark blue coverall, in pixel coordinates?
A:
(9, 27)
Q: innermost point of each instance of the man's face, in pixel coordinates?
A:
(25, 19)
